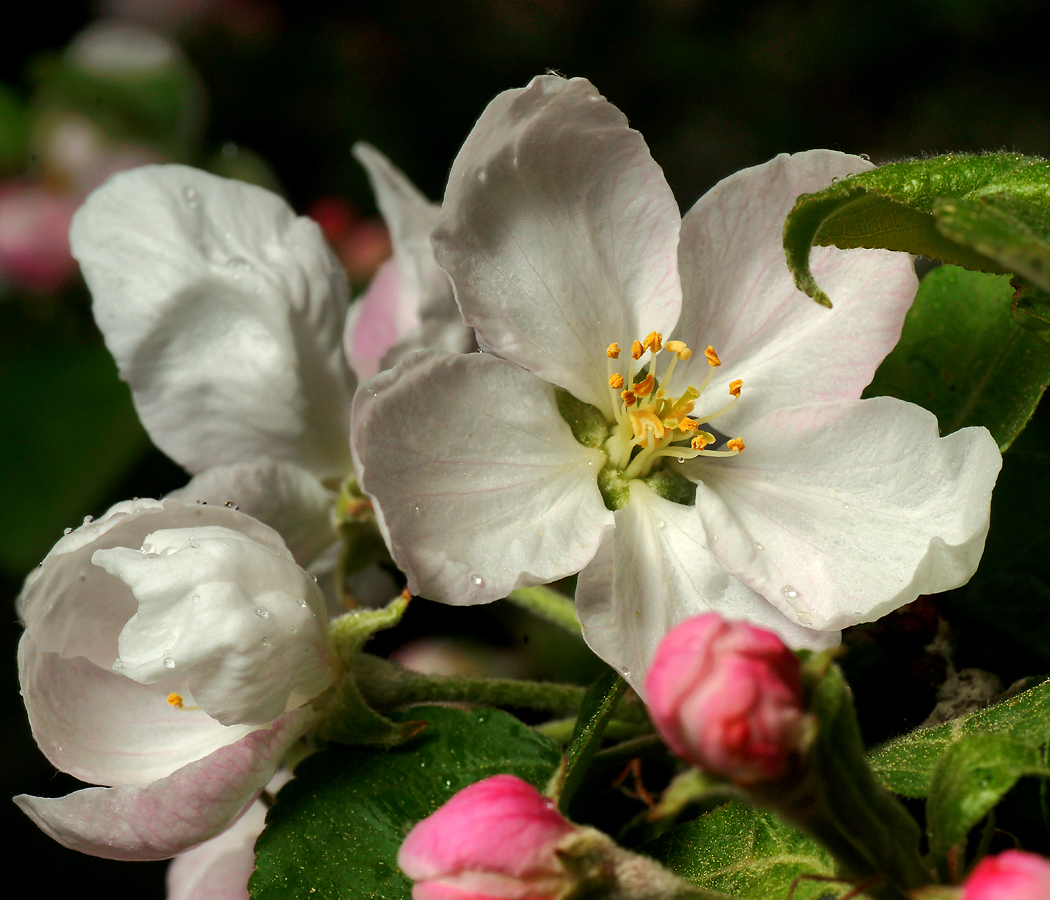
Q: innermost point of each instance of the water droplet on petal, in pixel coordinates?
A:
(67, 531)
(301, 602)
(262, 612)
(266, 642)
(169, 662)
(626, 673)
(196, 598)
(190, 195)
(681, 459)
(118, 663)
(88, 520)
(662, 524)
(759, 547)
(477, 580)
(788, 591)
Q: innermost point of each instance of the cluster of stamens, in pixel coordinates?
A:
(650, 418)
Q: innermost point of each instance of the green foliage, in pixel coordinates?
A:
(747, 853)
(970, 779)
(990, 213)
(907, 765)
(962, 357)
(335, 830)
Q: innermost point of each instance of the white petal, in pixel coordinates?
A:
(560, 234)
(282, 495)
(103, 728)
(224, 312)
(219, 868)
(245, 623)
(740, 297)
(175, 813)
(840, 512)
(477, 482)
(380, 318)
(653, 571)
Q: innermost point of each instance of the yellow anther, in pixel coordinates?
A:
(636, 350)
(645, 387)
(647, 424)
(616, 381)
(735, 386)
(628, 398)
(712, 357)
(614, 351)
(679, 349)
(653, 341)
(700, 441)
(736, 445)
(175, 700)
(688, 425)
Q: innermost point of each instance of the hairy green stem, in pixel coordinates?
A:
(549, 605)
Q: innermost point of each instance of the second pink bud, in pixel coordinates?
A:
(727, 697)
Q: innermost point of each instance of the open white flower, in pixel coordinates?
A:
(169, 653)
(227, 315)
(747, 478)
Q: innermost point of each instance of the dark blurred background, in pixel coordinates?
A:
(287, 88)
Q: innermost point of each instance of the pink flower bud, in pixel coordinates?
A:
(726, 697)
(1012, 875)
(494, 839)
(34, 236)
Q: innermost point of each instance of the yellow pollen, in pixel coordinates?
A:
(679, 349)
(736, 445)
(628, 398)
(636, 350)
(614, 351)
(616, 381)
(699, 442)
(645, 387)
(647, 424)
(735, 386)
(712, 357)
(175, 700)
(688, 425)
(653, 341)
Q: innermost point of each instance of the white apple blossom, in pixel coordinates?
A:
(227, 315)
(746, 477)
(170, 653)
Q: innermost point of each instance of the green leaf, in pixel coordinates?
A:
(597, 708)
(907, 764)
(962, 357)
(988, 213)
(970, 779)
(335, 829)
(746, 853)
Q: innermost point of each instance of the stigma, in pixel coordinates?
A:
(654, 420)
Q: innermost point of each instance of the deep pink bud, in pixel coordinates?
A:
(726, 697)
(1012, 875)
(34, 236)
(494, 840)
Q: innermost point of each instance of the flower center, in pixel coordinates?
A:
(652, 420)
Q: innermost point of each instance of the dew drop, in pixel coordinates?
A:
(194, 545)
(68, 531)
(196, 598)
(788, 591)
(313, 578)
(681, 459)
(266, 642)
(88, 520)
(190, 195)
(662, 524)
(292, 629)
(482, 176)
(759, 547)
(477, 580)
(626, 673)
(805, 620)
(448, 783)
(262, 612)
(169, 662)
(118, 663)
(301, 602)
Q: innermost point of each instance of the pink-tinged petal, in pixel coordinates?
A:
(560, 234)
(284, 496)
(478, 485)
(838, 513)
(653, 571)
(740, 297)
(409, 305)
(225, 314)
(499, 826)
(34, 236)
(219, 868)
(104, 728)
(175, 813)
